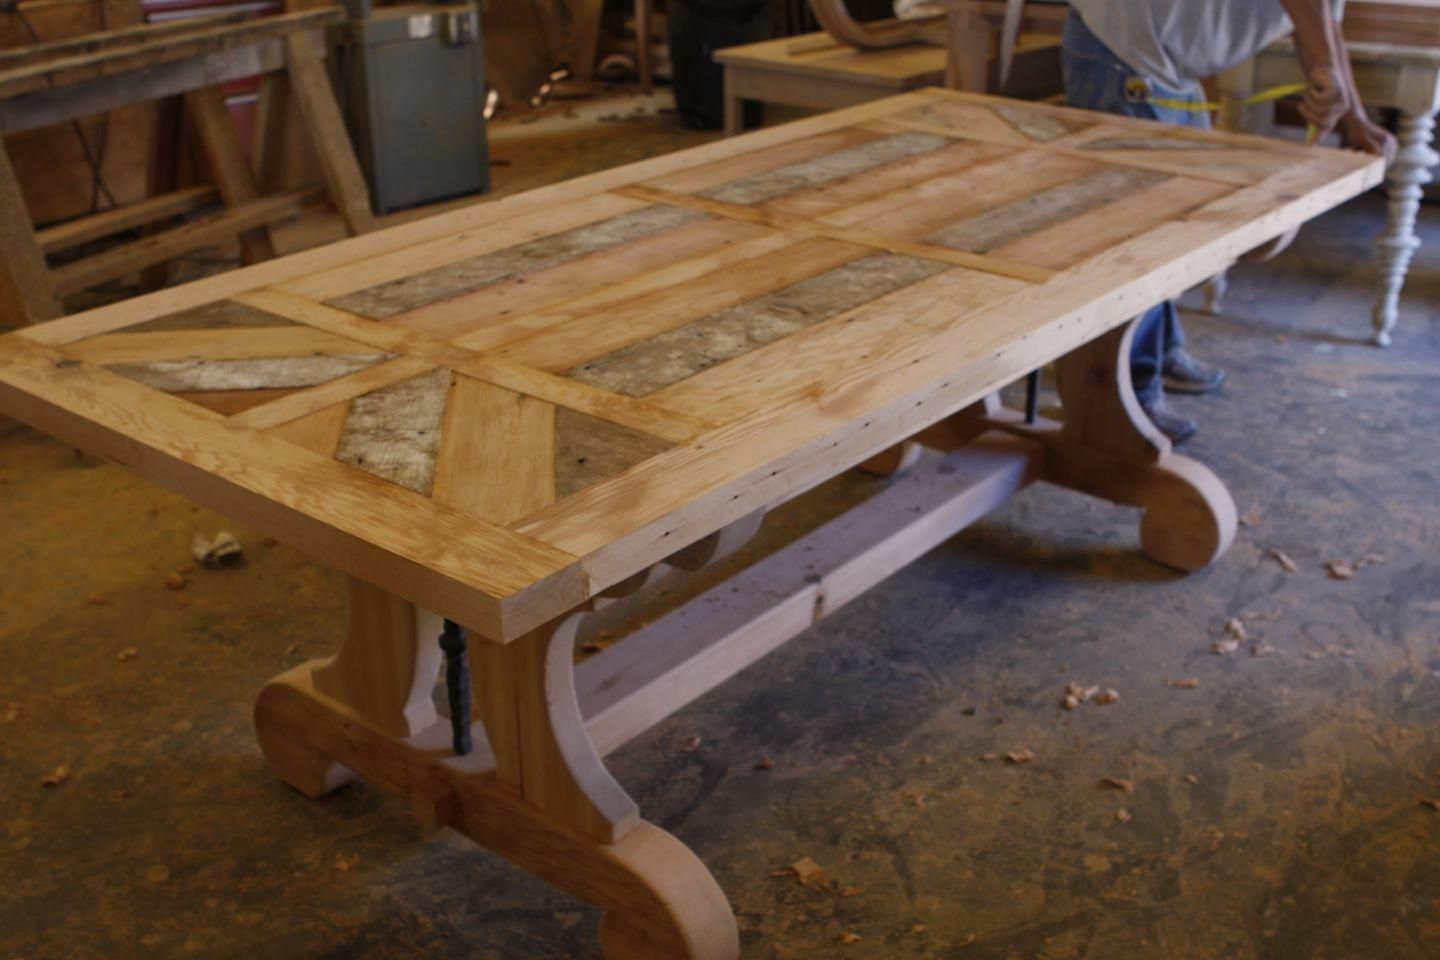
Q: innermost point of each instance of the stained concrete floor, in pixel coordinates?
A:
(1276, 810)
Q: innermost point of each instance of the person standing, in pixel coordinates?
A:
(1122, 56)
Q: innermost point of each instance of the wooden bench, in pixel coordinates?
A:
(816, 72)
(516, 413)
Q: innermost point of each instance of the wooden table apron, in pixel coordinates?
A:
(518, 412)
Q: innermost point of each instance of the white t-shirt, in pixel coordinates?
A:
(1177, 42)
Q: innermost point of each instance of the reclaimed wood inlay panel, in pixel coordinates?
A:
(394, 433)
(425, 288)
(672, 356)
(509, 406)
(1002, 225)
(824, 169)
(199, 376)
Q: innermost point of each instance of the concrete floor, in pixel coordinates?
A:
(1276, 810)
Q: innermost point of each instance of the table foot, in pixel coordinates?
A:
(1397, 245)
(1108, 448)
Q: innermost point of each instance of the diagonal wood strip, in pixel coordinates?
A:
(825, 168)
(467, 276)
(995, 228)
(959, 258)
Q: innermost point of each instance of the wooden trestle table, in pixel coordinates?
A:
(512, 414)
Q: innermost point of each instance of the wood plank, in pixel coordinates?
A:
(160, 49)
(788, 444)
(636, 414)
(229, 402)
(235, 343)
(395, 433)
(563, 347)
(817, 171)
(318, 432)
(821, 355)
(543, 253)
(368, 248)
(1066, 244)
(91, 43)
(119, 219)
(26, 292)
(45, 106)
(1004, 225)
(956, 158)
(679, 353)
(729, 169)
(498, 458)
(918, 210)
(168, 244)
(846, 234)
(336, 392)
(265, 373)
(326, 130)
(589, 450)
(364, 526)
(668, 663)
(354, 273)
(494, 311)
(226, 156)
(520, 324)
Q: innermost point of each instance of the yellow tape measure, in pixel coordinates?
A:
(1137, 90)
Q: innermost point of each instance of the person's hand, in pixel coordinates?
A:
(1325, 103)
(1358, 133)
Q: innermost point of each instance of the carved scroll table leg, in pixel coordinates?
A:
(1397, 245)
(533, 790)
(1109, 448)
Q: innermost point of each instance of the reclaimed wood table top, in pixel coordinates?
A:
(497, 412)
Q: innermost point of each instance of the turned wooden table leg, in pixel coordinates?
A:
(1397, 245)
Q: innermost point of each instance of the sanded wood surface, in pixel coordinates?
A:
(503, 410)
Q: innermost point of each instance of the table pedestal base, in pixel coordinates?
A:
(535, 788)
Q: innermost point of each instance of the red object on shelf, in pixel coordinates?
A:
(240, 96)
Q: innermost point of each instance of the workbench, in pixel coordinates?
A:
(58, 82)
(501, 419)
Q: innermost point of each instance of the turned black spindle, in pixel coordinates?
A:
(457, 686)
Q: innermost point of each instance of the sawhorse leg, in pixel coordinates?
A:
(26, 295)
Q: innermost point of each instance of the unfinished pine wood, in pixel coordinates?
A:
(227, 162)
(765, 353)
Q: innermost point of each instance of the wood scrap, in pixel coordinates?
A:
(1339, 570)
(1022, 755)
(1283, 558)
(847, 937)
(1124, 786)
(1188, 683)
(56, 776)
(807, 872)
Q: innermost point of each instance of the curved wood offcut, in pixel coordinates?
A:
(836, 20)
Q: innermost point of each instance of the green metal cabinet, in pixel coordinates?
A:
(412, 78)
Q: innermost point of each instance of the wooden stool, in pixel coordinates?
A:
(820, 73)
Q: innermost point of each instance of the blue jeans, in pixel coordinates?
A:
(1095, 79)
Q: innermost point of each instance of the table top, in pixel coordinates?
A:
(502, 410)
